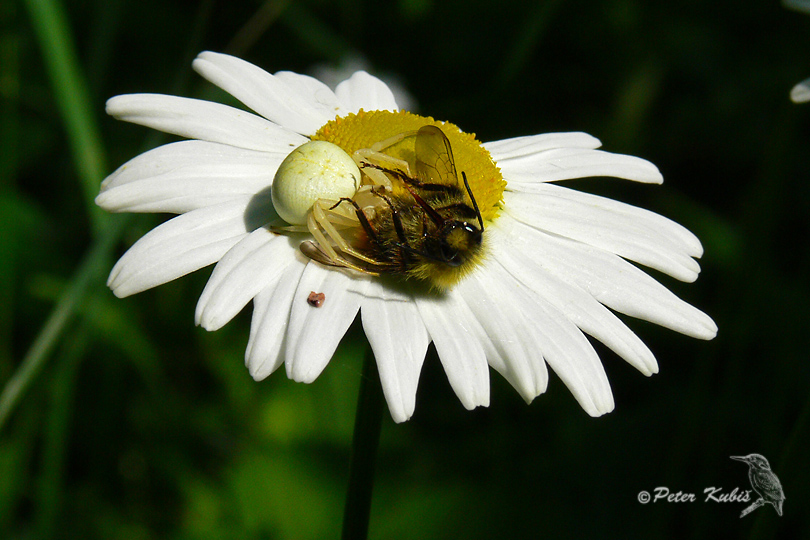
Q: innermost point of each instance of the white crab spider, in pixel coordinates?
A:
(315, 170)
(316, 177)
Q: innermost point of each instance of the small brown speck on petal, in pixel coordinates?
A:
(316, 299)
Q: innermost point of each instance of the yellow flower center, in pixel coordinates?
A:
(364, 129)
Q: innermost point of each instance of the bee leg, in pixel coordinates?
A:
(369, 230)
(321, 249)
(394, 216)
(400, 230)
(319, 219)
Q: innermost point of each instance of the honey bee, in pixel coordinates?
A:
(409, 218)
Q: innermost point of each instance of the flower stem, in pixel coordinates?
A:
(367, 427)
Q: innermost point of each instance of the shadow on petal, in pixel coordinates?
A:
(260, 210)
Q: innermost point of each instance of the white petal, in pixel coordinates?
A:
(316, 92)
(204, 120)
(634, 233)
(801, 92)
(548, 334)
(456, 334)
(798, 5)
(183, 176)
(313, 333)
(610, 279)
(271, 315)
(178, 247)
(569, 163)
(513, 352)
(250, 266)
(274, 97)
(399, 340)
(562, 344)
(574, 302)
(364, 91)
(518, 147)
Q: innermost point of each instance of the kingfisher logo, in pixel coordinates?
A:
(764, 482)
(765, 489)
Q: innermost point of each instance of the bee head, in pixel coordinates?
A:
(453, 244)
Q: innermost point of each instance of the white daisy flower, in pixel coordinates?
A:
(798, 5)
(555, 264)
(801, 92)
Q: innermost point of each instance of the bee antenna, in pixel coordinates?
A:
(475, 204)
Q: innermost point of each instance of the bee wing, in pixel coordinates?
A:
(434, 157)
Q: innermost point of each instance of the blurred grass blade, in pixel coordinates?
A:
(526, 39)
(49, 21)
(50, 492)
(92, 269)
(314, 33)
(70, 88)
(256, 27)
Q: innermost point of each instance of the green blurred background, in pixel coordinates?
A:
(139, 425)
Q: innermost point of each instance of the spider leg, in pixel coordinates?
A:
(374, 158)
(314, 251)
(320, 218)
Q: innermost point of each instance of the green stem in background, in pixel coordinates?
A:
(525, 40)
(58, 53)
(70, 89)
(89, 273)
(256, 27)
(50, 492)
(367, 427)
